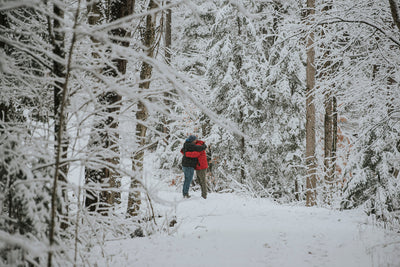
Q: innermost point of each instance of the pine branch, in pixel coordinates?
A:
(26, 49)
(340, 20)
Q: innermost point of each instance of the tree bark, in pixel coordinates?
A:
(334, 134)
(118, 9)
(310, 113)
(394, 8)
(59, 72)
(328, 137)
(105, 132)
(142, 114)
(60, 133)
(93, 198)
(243, 151)
(329, 167)
(167, 95)
(168, 35)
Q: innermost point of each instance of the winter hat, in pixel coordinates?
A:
(191, 138)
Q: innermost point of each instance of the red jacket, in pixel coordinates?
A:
(202, 157)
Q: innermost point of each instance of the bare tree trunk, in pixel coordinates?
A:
(93, 198)
(334, 134)
(111, 175)
(330, 140)
(168, 37)
(243, 151)
(118, 9)
(104, 133)
(59, 72)
(242, 141)
(167, 95)
(142, 113)
(330, 131)
(310, 113)
(296, 190)
(6, 198)
(329, 167)
(4, 117)
(328, 137)
(107, 135)
(394, 8)
(60, 133)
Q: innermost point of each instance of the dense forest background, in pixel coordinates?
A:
(298, 101)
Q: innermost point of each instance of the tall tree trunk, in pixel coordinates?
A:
(328, 137)
(105, 132)
(329, 167)
(59, 72)
(5, 24)
(310, 113)
(394, 8)
(243, 151)
(242, 141)
(168, 35)
(59, 143)
(334, 134)
(167, 95)
(118, 9)
(4, 110)
(331, 131)
(92, 197)
(142, 113)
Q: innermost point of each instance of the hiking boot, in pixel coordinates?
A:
(204, 196)
(186, 196)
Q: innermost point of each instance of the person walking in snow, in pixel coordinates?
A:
(201, 167)
(189, 163)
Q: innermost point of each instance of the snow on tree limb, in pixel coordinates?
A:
(340, 20)
(36, 248)
(8, 5)
(175, 77)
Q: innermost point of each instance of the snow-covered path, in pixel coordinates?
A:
(230, 230)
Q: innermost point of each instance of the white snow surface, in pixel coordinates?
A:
(234, 230)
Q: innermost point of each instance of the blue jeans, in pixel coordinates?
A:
(189, 172)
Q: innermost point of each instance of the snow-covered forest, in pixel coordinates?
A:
(298, 102)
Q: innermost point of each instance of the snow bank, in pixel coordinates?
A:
(231, 230)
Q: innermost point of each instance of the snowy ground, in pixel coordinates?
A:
(231, 230)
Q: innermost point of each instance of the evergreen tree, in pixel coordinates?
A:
(371, 126)
(26, 83)
(256, 84)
